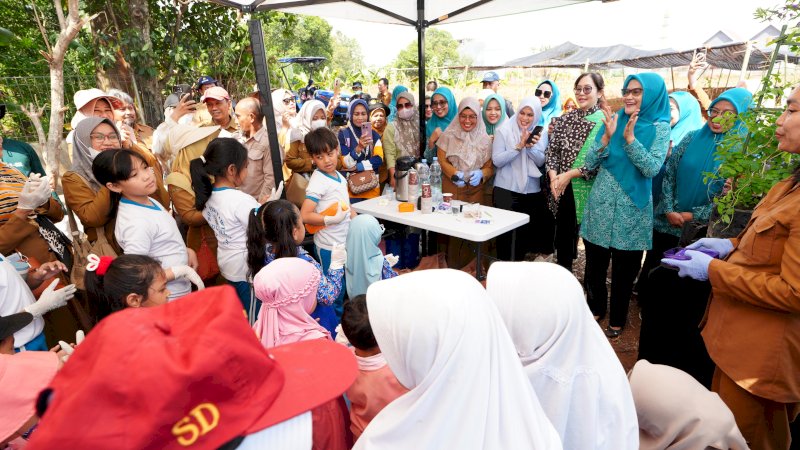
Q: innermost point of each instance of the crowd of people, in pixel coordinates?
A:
(177, 229)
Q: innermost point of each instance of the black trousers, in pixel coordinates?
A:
(531, 237)
(624, 267)
(566, 240)
(661, 243)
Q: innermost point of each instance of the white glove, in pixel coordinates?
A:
(68, 349)
(51, 299)
(181, 272)
(341, 338)
(338, 257)
(393, 260)
(35, 193)
(338, 218)
(276, 194)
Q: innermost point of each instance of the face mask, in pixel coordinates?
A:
(405, 114)
(186, 119)
(318, 123)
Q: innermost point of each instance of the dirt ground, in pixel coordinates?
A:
(627, 344)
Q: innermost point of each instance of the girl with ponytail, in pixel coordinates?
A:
(226, 209)
(130, 281)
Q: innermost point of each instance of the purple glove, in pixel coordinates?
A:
(475, 177)
(461, 182)
(722, 246)
(695, 267)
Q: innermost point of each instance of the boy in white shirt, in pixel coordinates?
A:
(327, 200)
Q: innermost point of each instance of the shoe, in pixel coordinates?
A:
(612, 333)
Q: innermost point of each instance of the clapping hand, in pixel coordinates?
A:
(610, 122)
(629, 127)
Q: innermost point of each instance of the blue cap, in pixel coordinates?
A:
(489, 77)
(205, 79)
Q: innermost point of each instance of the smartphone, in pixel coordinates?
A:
(537, 130)
(181, 89)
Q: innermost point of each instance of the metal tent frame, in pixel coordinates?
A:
(383, 11)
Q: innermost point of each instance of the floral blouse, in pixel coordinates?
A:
(330, 284)
(669, 193)
(611, 219)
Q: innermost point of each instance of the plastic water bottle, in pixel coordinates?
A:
(423, 172)
(436, 181)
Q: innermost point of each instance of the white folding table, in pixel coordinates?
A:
(500, 221)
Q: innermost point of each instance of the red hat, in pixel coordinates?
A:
(217, 93)
(187, 374)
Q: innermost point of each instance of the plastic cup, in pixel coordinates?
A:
(447, 197)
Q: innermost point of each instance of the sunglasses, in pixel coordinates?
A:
(636, 92)
(541, 93)
(427, 106)
(288, 101)
(439, 104)
(585, 90)
(404, 106)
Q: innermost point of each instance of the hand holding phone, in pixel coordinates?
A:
(537, 131)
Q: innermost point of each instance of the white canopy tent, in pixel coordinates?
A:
(417, 13)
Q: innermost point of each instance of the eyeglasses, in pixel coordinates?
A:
(541, 93)
(636, 92)
(471, 117)
(439, 103)
(585, 90)
(714, 112)
(100, 137)
(287, 101)
(406, 105)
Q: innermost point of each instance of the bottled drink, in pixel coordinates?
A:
(413, 185)
(436, 181)
(423, 172)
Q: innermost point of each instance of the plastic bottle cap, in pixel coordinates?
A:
(424, 160)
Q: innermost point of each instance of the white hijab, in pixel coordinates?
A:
(444, 340)
(510, 132)
(301, 124)
(678, 413)
(574, 371)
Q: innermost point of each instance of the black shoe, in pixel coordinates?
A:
(611, 333)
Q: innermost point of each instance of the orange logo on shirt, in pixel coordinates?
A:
(200, 420)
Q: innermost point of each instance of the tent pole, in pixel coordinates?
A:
(746, 60)
(727, 80)
(421, 63)
(672, 74)
(262, 78)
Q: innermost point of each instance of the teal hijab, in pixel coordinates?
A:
(501, 101)
(553, 108)
(653, 109)
(690, 116)
(441, 122)
(364, 259)
(700, 156)
(399, 89)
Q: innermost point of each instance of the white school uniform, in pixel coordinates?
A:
(14, 296)
(228, 212)
(150, 230)
(325, 190)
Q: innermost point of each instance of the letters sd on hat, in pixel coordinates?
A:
(490, 77)
(187, 374)
(205, 79)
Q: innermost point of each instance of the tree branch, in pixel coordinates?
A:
(44, 35)
(35, 115)
(62, 24)
(175, 33)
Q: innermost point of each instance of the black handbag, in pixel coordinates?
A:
(58, 242)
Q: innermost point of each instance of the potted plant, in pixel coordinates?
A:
(750, 161)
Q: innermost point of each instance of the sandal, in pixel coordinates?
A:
(613, 333)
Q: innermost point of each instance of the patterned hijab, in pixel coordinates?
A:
(82, 152)
(406, 131)
(466, 150)
(287, 288)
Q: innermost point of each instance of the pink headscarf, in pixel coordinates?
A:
(287, 288)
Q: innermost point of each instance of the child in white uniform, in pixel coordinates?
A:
(143, 226)
(327, 202)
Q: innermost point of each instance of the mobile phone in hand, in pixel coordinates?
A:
(366, 130)
(537, 130)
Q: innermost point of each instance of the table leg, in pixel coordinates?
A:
(513, 244)
(478, 265)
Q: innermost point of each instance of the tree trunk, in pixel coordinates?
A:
(148, 85)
